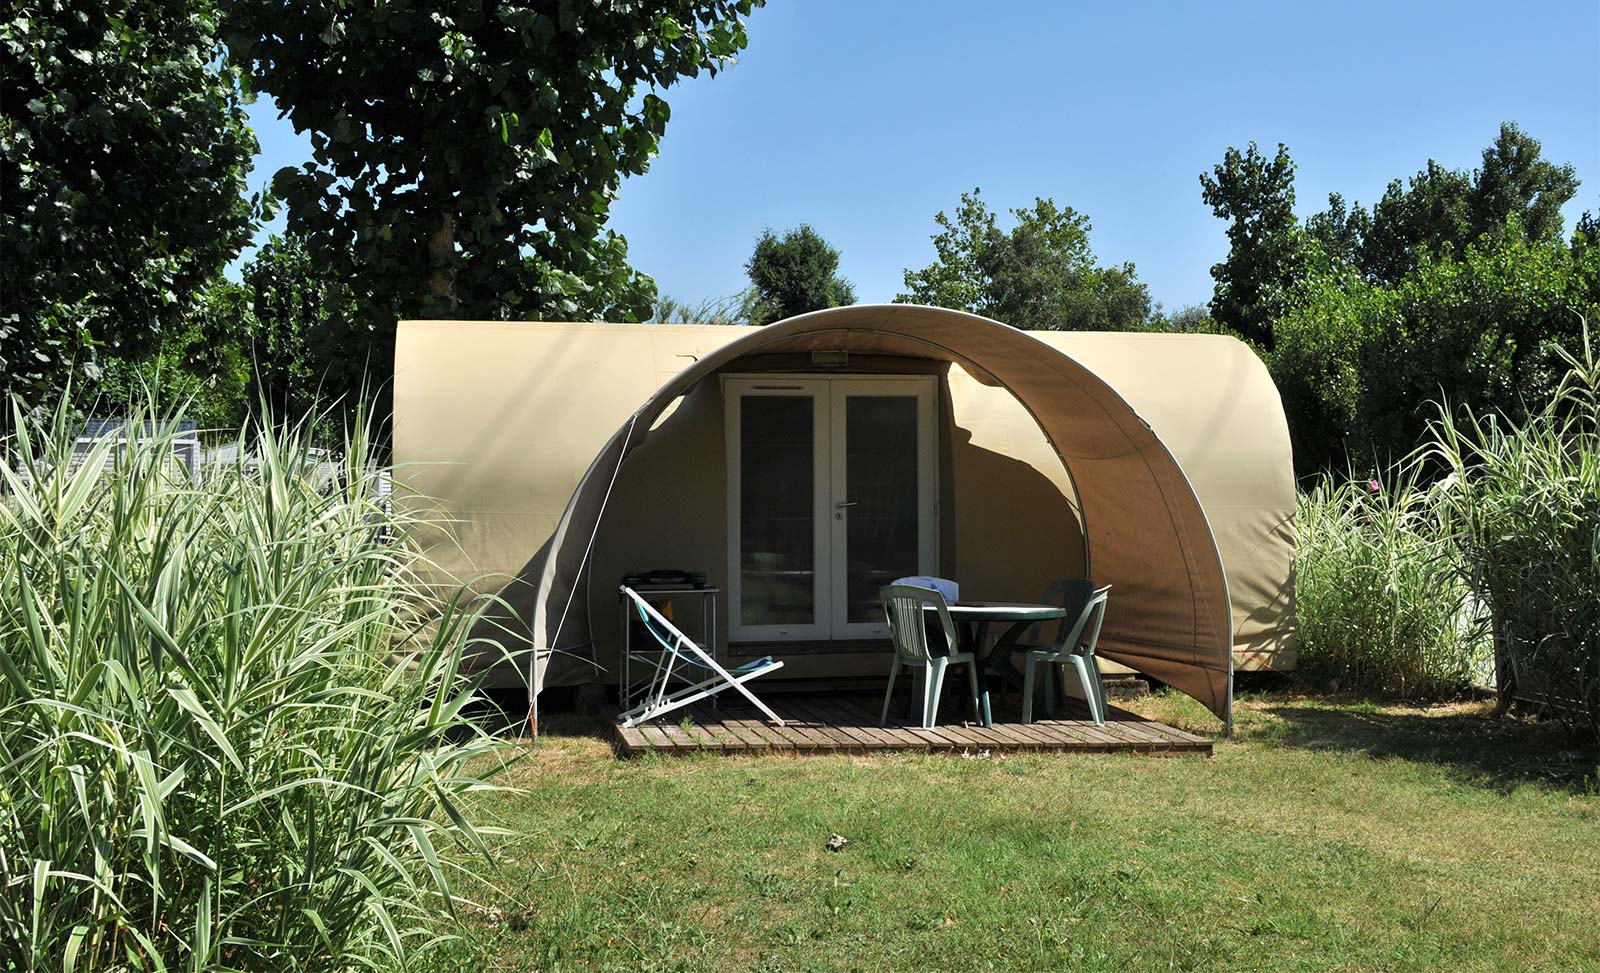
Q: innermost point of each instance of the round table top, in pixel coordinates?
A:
(1002, 611)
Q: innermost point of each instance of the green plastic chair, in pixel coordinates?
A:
(904, 607)
(1074, 646)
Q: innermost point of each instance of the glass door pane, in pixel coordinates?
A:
(777, 510)
(882, 499)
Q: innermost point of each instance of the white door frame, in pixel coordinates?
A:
(734, 390)
(831, 523)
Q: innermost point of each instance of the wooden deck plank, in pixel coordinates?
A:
(660, 739)
(737, 736)
(725, 737)
(1167, 736)
(752, 725)
(631, 740)
(1024, 737)
(703, 717)
(1085, 729)
(964, 736)
(1157, 728)
(1134, 739)
(822, 724)
(1081, 732)
(694, 735)
(896, 733)
(1059, 738)
(823, 736)
(849, 724)
(845, 725)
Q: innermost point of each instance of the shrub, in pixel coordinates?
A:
(230, 742)
(1525, 511)
(1382, 607)
(1356, 362)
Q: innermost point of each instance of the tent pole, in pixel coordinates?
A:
(533, 713)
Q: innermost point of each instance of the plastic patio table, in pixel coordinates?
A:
(975, 617)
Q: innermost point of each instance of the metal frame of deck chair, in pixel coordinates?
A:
(680, 648)
(1075, 647)
(908, 628)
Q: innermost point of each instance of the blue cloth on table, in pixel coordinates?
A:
(945, 587)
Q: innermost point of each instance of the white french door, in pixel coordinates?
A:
(832, 493)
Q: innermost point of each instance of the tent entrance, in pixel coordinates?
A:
(832, 493)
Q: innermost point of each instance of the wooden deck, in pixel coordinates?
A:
(849, 724)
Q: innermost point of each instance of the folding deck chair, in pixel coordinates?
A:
(686, 661)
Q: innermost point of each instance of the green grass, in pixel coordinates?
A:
(1325, 836)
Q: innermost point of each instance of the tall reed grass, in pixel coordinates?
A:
(1382, 605)
(739, 308)
(1524, 512)
(1489, 569)
(230, 738)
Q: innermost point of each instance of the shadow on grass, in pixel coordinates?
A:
(1494, 752)
(504, 713)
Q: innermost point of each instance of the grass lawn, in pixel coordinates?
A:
(1325, 836)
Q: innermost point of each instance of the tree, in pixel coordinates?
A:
(1266, 272)
(1193, 319)
(1340, 231)
(308, 346)
(201, 364)
(795, 273)
(1443, 210)
(1359, 363)
(1516, 182)
(125, 151)
(465, 156)
(1431, 213)
(1041, 275)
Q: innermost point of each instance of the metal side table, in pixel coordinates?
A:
(653, 656)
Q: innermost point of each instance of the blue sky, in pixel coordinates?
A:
(864, 119)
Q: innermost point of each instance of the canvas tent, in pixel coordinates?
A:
(564, 454)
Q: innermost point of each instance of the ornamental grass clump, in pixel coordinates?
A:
(232, 737)
(1382, 607)
(1524, 508)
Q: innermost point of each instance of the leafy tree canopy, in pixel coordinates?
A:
(309, 345)
(465, 156)
(1445, 210)
(1359, 364)
(1040, 275)
(795, 273)
(125, 151)
(1268, 262)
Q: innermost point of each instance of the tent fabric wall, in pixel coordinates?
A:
(500, 420)
(1213, 403)
(1147, 533)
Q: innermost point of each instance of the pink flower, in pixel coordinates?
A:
(1374, 486)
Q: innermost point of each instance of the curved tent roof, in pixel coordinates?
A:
(1143, 524)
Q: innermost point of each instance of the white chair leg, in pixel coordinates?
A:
(688, 695)
(888, 694)
(930, 698)
(1091, 689)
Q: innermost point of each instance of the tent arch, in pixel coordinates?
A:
(1142, 521)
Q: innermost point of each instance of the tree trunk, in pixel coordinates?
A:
(441, 254)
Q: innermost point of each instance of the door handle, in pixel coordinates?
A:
(845, 503)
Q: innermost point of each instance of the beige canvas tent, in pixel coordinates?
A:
(802, 464)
